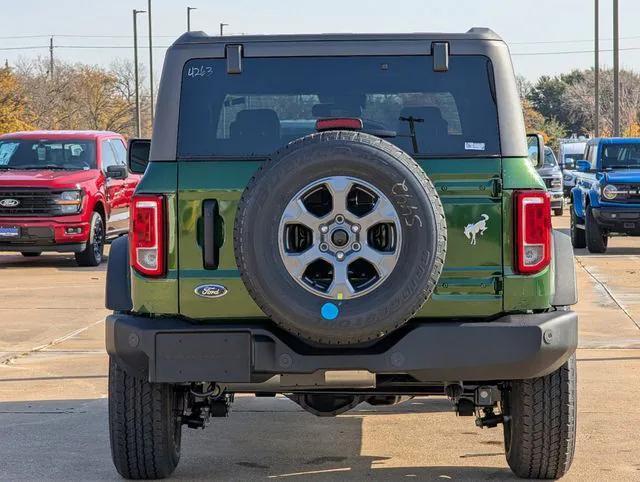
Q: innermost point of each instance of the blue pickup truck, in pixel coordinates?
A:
(606, 198)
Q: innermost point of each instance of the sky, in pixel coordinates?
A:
(539, 32)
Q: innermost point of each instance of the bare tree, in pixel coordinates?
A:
(580, 100)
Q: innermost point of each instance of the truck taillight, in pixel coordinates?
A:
(533, 231)
(147, 235)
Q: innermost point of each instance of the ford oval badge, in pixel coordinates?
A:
(9, 203)
(211, 291)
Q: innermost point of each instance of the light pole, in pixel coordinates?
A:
(222, 26)
(51, 57)
(189, 17)
(616, 71)
(135, 61)
(596, 69)
(150, 60)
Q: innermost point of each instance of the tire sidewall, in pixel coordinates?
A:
(396, 298)
(596, 240)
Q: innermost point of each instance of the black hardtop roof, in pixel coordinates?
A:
(198, 38)
(198, 45)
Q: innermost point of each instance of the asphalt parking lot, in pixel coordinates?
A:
(53, 407)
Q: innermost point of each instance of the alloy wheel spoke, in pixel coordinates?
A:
(340, 287)
(297, 263)
(384, 262)
(339, 187)
(297, 213)
(383, 212)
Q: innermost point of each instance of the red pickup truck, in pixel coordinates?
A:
(64, 191)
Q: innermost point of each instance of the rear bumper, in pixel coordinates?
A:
(62, 234)
(619, 220)
(511, 347)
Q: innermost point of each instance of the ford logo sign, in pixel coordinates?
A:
(9, 203)
(211, 291)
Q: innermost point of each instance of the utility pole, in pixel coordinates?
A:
(222, 26)
(135, 61)
(189, 17)
(616, 71)
(51, 57)
(150, 59)
(596, 69)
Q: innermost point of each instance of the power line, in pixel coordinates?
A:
(529, 42)
(105, 46)
(118, 47)
(9, 37)
(566, 52)
(538, 42)
(32, 47)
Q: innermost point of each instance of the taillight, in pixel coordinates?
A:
(533, 231)
(342, 123)
(146, 237)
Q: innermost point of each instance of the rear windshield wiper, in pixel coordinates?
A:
(412, 130)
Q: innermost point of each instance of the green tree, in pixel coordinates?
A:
(13, 103)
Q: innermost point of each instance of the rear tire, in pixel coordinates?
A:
(597, 241)
(28, 254)
(144, 428)
(92, 253)
(578, 239)
(540, 431)
(558, 211)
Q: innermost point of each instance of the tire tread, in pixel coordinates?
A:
(543, 424)
(140, 426)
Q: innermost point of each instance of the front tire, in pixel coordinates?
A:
(596, 240)
(144, 428)
(92, 253)
(578, 239)
(540, 423)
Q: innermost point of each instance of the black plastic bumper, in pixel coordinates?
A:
(618, 220)
(511, 347)
(38, 248)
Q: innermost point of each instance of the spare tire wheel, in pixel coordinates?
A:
(340, 237)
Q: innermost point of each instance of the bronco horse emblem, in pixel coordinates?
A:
(472, 230)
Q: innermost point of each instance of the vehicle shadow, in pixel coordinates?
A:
(62, 262)
(611, 250)
(265, 439)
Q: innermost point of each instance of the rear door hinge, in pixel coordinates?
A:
(498, 285)
(234, 59)
(496, 187)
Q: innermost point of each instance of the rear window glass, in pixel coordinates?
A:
(276, 100)
(621, 155)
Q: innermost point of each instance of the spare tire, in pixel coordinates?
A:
(340, 238)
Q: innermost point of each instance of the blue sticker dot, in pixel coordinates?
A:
(329, 311)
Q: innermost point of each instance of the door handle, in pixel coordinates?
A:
(211, 250)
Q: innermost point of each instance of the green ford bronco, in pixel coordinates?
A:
(341, 219)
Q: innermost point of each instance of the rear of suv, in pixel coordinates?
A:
(341, 219)
(63, 191)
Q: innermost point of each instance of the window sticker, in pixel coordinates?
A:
(474, 146)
